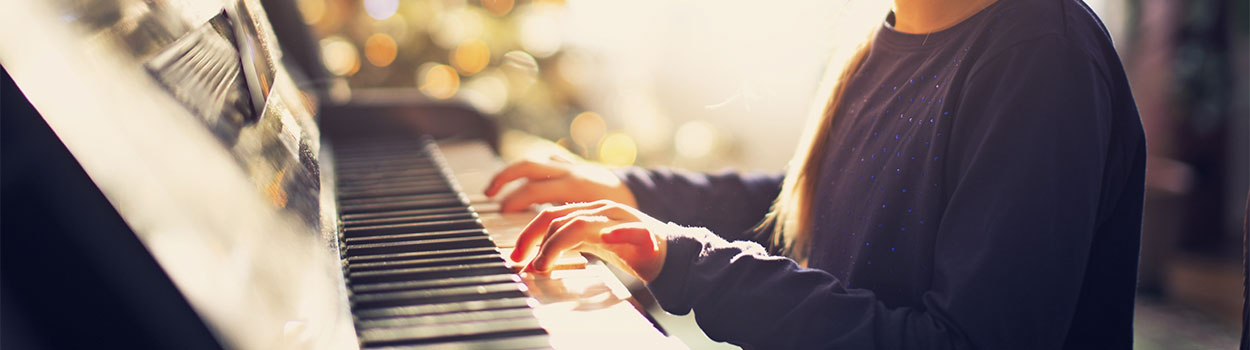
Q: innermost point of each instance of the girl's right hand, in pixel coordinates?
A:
(558, 180)
(618, 234)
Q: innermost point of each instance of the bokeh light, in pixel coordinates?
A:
(419, 15)
(340, 56)
(381, 9)
(470, 57)
(312, 10)
(451, 28)
(695, 139)
(487, 92)
(541, 32)
(439, 81)
(577, 69)
(497, 7)
(643, 119)
(520, 68)
(587, 128)
(397, 27)
(380, 49)
(618, 149)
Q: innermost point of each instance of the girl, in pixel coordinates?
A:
(974, 181)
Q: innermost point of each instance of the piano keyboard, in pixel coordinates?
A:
(421, 269)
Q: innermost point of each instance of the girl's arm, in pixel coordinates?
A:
(728, 203)
(1036, 165)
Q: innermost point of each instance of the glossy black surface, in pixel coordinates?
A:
(153, 100)
(72, 274)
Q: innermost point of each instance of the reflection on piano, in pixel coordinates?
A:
(171, 182)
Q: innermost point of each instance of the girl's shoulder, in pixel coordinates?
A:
(1054, 27)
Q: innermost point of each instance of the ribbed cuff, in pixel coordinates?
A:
(669, 287)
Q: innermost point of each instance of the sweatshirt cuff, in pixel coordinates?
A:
(684, 245)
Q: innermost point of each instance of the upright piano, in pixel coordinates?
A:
(171, 180)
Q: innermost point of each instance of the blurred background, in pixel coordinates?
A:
(704, 85)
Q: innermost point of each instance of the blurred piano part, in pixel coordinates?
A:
(172, 179)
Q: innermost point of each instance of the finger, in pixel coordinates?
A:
(566, 238)
(538, 228)
(560, 158)
(604, 208)
(632, 233)
(612, 210)
(534, 192)
(542, 226)
(526, 169)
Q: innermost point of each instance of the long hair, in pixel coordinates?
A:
(790, 221)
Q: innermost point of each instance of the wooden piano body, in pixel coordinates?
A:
(170, 181)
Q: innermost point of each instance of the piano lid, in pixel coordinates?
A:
(208, 154)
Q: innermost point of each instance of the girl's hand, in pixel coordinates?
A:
(612, 231)
(558, 181)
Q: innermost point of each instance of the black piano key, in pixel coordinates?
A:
(442, 333)
(386, 146)
(386, 162)
(446, 308)
(402, 213)
(429, 272)
(396, 163)
(393, 232)
(395, 190)
(466, 241)
(405, 205)
(394, 183)
(408, 263)
(431, 179)
(392, 147)
(386, 174)
(459, 317)
(383, 162)
(438, 295)
(388, 191)
(421, 269)
(383, 190)
(356, 259)
(438, 283)
(443, 202)
(347, 157)
(396, 199)
(375, 240)
(362, 181)
(407, 219)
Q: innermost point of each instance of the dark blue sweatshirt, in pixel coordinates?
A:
(982, 189)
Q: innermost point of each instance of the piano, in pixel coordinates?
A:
(174, 179)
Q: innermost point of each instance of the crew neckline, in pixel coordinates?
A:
(888, 35)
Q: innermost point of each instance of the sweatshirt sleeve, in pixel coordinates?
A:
(1023, 185)
(728, 202)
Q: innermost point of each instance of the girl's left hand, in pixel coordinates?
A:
(612, 231)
